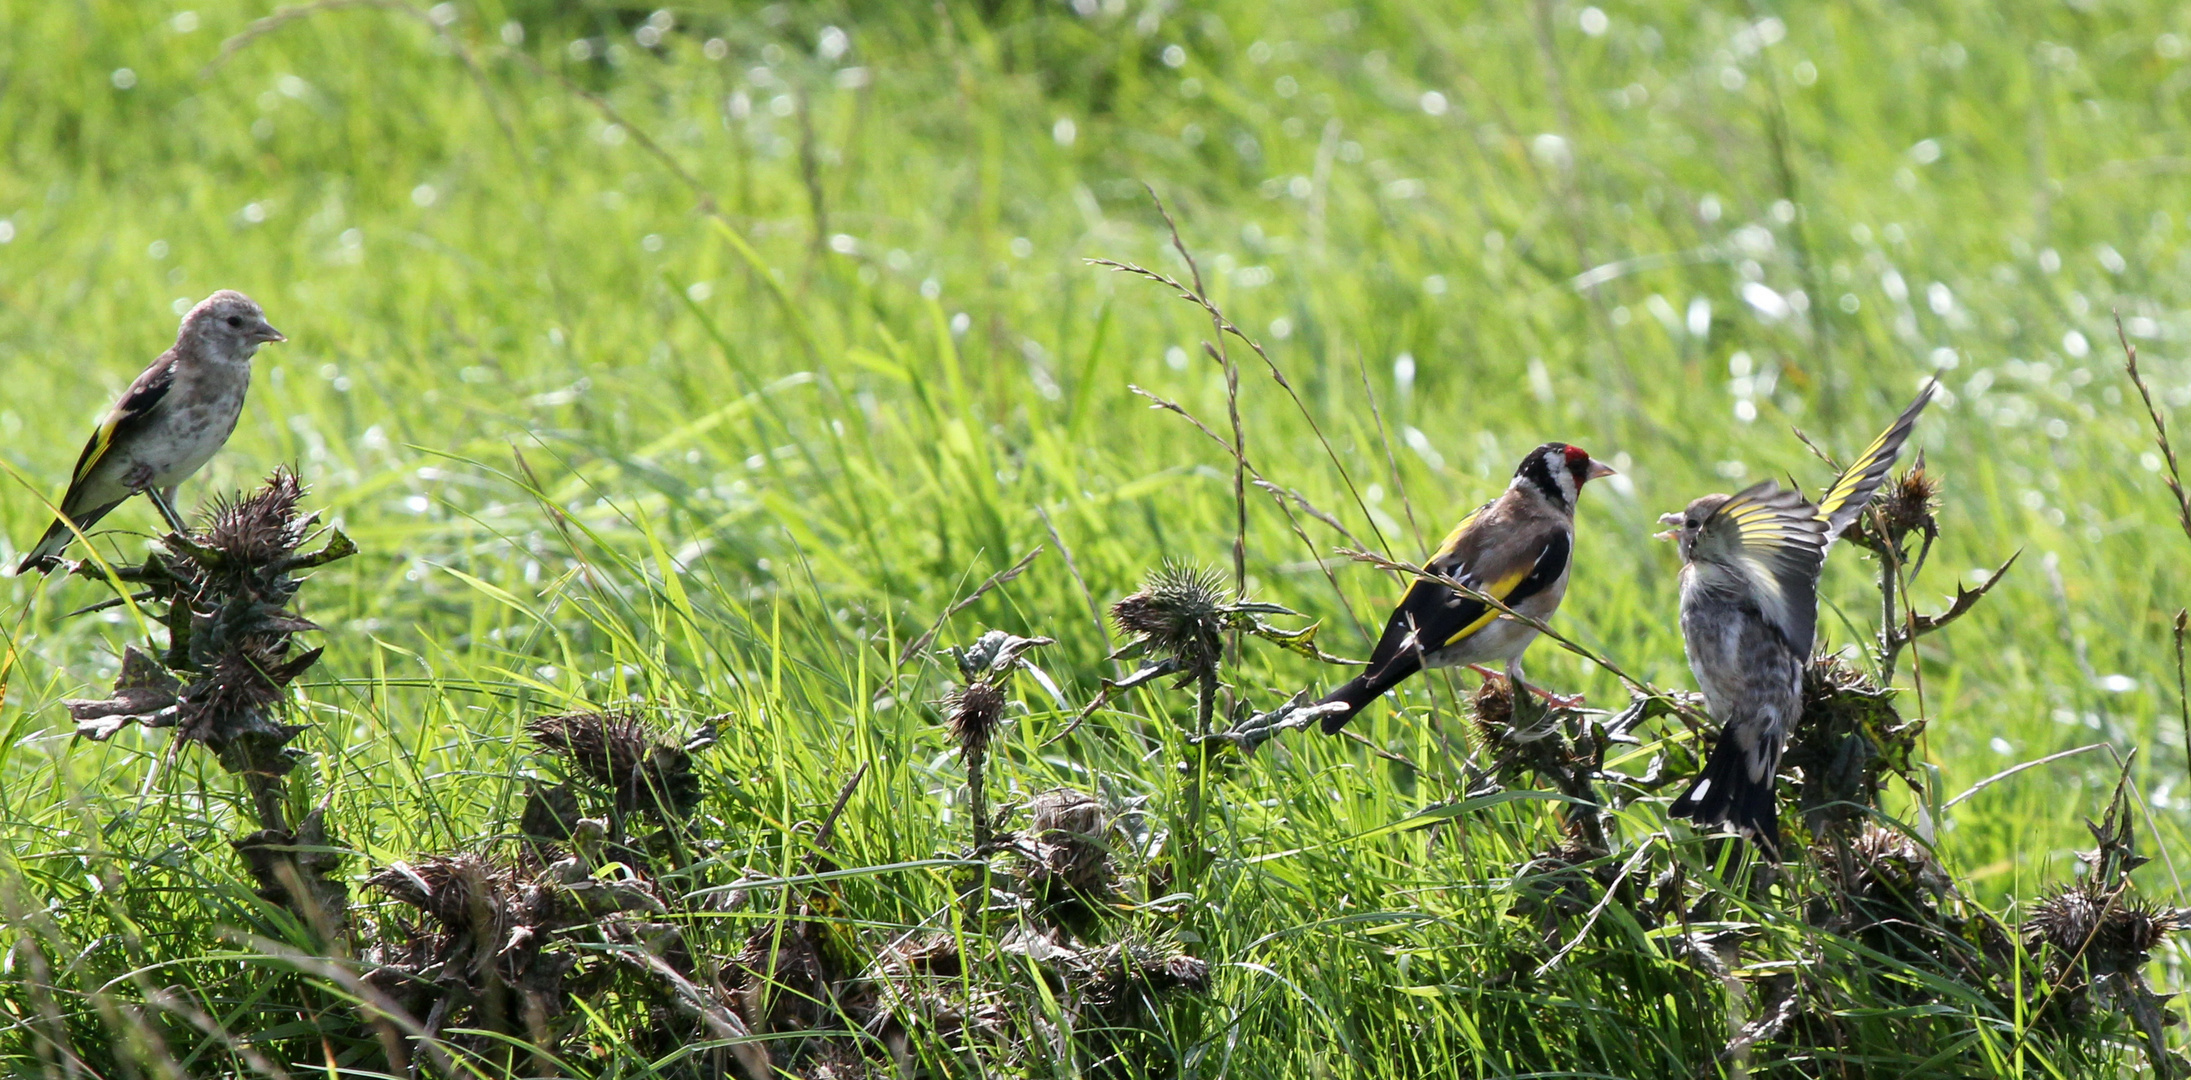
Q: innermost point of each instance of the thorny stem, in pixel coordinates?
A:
(1890, 644)
(270, 797)
(1190, 857)
(977, 796)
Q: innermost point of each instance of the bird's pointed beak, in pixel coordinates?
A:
(1672, 521)
(266, 332)
(1599, 471)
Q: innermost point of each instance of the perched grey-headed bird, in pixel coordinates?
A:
(1514, 549)
(168, 424)
(1749, 612)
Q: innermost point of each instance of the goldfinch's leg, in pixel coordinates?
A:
(164, 501)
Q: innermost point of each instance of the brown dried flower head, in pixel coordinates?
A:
(262, 528)
(643, 767)
(461, 892)
(1493, 708)
(1064, 843)
(973, 713)
(1890, 866)
(2111, 932)
(1130, 969)
(1905, 506)
(1180, 611)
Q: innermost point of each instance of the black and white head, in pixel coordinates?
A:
(228, 325)
(1557, 472)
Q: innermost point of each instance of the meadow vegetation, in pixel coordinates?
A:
(758, 497)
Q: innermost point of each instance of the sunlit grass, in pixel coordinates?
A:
(601, 447)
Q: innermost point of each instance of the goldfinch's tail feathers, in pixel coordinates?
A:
(45, 555)
(1724, 792)
(1363, 690)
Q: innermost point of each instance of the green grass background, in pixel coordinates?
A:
(775, 447)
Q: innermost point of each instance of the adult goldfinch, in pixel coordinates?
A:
(168, 424)
(1515, 549)
(1749, 612)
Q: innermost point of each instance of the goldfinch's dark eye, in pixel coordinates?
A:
(235, 320)
(1691, 523)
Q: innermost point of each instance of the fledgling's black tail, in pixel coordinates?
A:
(46, 553)
(1724, 792)
(1364, 689)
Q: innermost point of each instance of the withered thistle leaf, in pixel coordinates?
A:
(142, 691)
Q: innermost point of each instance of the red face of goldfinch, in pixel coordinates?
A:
(1558, 471)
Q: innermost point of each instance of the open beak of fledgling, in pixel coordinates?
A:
(1672, 521)
(1599, 471)
(265, 332)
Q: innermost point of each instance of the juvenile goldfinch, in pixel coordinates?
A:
(1515, 549)
(168, 424)
(1749, 612)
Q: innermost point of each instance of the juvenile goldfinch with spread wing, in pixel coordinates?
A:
(167, 425)
(1514, 549)
(1749, 612)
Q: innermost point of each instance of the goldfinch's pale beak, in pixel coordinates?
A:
(1599, 471)
(266, 332)
(1672, 521)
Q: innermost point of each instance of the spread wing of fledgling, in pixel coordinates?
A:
(1852, 490)
(1777, 540)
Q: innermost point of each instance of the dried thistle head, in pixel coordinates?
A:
(1180, 611)
(644, 768)
(1492, 707)
(2094, 932)
(1136, 971)
(1063, 813)
(261, 529)
(461, 892)
(973, 713)
(784, 976)
(1905, 507)
(1063, 849)
(1888, 867)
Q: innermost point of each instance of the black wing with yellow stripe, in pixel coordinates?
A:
(1432, 616)
(1852, 491)
(128, 414)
